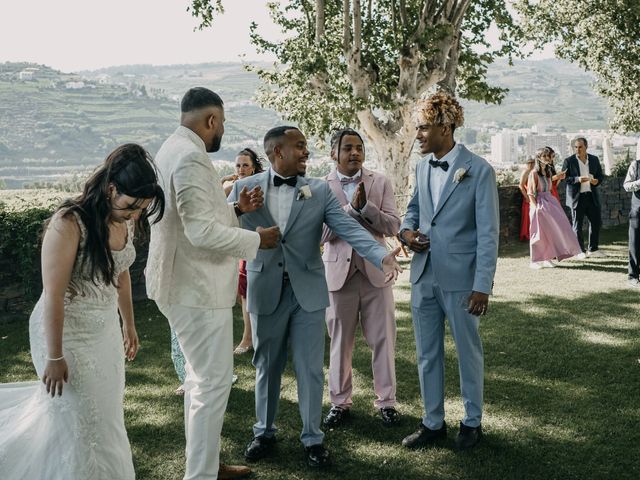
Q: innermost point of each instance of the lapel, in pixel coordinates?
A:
(336, 186)
(297, 205)
(427, 189)
(263, 182)
(463, 162)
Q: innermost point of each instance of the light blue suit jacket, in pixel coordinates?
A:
(463, 227)
(299, 247)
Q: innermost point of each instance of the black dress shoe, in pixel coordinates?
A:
(424, 436)
(390, 416)
(259, 447)
(317, 456)
(468, 437)
(336, 417)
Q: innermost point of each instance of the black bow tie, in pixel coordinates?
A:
(291, 181)
(444, 165)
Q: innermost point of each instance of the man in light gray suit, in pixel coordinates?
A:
(452, 226)
(287, 292)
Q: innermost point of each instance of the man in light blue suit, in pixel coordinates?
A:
(286, 288)
(452, 226)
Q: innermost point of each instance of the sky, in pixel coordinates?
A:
(72, 35)
(75, 35)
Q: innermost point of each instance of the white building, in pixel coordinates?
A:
(74, 85)
(558, 141)
(504, 147)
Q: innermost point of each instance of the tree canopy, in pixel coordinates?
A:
(601, 36)
(364, 64)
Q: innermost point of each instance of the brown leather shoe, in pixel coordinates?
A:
(228, 472)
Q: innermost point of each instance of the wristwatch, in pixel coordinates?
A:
(236, 208)
(401, 238)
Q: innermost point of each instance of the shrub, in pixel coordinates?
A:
(20, 237)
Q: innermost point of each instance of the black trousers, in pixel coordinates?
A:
(634, 242)
(587, 207)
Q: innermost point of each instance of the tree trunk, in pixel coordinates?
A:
(393, 151)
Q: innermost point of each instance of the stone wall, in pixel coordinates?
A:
(615, 211)
(615, 204)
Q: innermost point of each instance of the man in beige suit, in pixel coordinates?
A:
(192, 272)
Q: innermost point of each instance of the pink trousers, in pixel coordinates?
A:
(360, 302)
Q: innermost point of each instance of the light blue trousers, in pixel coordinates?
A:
(430, 305)
(271, 334)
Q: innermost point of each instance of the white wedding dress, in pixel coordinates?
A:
(79, 435)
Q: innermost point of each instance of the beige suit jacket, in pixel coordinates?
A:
(194, 249)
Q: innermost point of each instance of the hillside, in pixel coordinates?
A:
(54, 123)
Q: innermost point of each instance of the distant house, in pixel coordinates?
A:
(28, 73)
(103, 79)
(74, 85)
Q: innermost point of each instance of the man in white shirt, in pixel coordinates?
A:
(287, 291)
(452, 225)
(583, 177)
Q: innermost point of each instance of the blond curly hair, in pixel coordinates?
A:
(439, 109)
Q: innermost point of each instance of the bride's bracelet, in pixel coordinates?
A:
(54, 359)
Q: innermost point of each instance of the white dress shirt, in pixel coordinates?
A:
(439, 176)
(584, 172)
(279, 201)
(349, 188)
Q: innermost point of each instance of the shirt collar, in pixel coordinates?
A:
(193, 136)
(272, 174)
(451, 155)
(341, 176)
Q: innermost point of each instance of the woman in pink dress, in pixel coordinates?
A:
(550, 230)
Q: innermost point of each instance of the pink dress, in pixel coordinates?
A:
(551, 233)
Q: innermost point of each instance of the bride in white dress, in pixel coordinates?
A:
(70, 425)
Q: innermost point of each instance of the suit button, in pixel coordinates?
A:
(433, 224)
(284, 241)
(348, 259)
(279, 264)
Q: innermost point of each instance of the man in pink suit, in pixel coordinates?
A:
(357, 290)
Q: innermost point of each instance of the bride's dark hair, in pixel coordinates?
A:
(131, 170)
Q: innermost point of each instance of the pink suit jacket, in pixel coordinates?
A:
(379, 217)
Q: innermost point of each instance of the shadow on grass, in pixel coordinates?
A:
(561, 390)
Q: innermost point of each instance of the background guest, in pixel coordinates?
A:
(584, 175)
(551, 233)
(632, 185)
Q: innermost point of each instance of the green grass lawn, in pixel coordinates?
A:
(562, 387)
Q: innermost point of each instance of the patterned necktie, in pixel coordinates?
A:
(444, 165)
(348, 180)
(291, 181)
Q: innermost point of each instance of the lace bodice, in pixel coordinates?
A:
(82, 287)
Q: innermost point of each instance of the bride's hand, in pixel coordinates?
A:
(55, 374)
(131, 343)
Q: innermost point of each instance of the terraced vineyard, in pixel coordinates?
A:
(49, 130)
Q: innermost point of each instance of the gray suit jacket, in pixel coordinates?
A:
(299, 247)
(463, 227)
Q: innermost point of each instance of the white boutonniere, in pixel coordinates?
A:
(304, 193)
(460, 174)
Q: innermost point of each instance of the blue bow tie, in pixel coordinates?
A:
(291, 181)
(444, 165)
